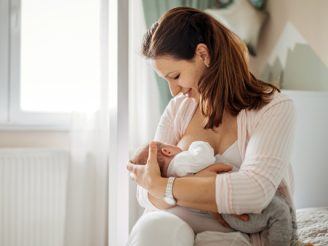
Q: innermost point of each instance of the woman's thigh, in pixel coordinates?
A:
(161, 228)
(213, 238)
(198, 220)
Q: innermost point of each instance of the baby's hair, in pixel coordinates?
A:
(141, 154)
(137, 157)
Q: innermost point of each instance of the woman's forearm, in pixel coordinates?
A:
(196, 192)
(192, 192)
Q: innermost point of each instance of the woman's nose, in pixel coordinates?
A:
(174, 88)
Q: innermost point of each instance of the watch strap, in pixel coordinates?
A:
(169, 187)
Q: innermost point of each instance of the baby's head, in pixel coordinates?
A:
(165, 153)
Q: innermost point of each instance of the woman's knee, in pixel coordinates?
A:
(161, 228)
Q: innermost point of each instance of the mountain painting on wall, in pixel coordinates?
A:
(294, 65)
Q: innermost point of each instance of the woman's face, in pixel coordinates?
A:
(181, 75)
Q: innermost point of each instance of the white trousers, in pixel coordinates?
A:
(162, 228)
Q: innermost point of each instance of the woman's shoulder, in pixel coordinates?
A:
(279, 104)
(278, 99)
(180, 103)
(173, 119)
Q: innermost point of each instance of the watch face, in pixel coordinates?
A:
(169, 201)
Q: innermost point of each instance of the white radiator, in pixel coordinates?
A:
(33, 196)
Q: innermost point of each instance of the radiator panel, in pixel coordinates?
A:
(33, 197)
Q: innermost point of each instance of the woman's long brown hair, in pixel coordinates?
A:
(227, 84)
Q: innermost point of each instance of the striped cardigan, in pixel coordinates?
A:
(265, 139)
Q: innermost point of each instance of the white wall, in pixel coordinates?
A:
(310, 154)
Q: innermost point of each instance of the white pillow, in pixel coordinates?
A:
(243, 19)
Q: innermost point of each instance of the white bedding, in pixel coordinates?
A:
(313, 225)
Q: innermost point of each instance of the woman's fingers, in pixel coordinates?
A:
(132, 170)
(130, 167)
(220, 167)
(214, 169)
(152, 157)
(144, 175)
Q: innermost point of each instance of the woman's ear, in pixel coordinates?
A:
(203, 53)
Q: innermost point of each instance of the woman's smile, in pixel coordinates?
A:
(188, 93)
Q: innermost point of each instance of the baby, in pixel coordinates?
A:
(276, 217)
(175, 162)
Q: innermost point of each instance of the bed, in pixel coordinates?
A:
(313, 225)
(310, 164)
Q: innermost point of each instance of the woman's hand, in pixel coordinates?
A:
(146, 175)
(213, 170)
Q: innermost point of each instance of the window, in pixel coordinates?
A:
(49, 60)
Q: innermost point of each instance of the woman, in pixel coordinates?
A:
(216, 99)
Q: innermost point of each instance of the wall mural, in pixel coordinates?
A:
(294, 65)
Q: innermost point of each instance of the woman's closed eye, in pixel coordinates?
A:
(176, 77)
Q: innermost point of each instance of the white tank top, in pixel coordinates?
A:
(199, 220)
(231, 156)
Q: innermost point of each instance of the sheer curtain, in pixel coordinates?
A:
(97, 197)
(144, 94)
(86, 216)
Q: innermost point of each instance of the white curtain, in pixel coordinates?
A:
(89, 136)
(97, 212)
(101, 201)
(86, 214)
(143, 93)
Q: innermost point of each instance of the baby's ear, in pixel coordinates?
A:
(166, 151)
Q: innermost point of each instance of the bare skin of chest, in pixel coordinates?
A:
(220, 139)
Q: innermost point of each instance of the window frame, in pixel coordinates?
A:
(4, 59)
(11, 115)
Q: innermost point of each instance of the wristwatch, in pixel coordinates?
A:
(168, 196)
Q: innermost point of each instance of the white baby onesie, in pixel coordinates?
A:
(199, 155)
